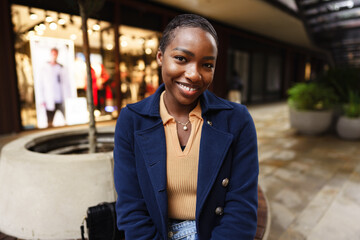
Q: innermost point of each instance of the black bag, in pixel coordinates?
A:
(101, 223)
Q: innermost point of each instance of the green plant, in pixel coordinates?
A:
(311, 96)
(342, 80)
(352, 108)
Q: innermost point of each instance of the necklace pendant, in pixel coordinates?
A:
(185, 128)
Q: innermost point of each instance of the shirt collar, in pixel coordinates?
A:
(166, 117)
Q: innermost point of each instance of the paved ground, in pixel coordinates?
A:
(312, 183)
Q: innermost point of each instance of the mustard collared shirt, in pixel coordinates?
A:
(181, 166)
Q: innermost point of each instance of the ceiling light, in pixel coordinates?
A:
(141, 41)
(42, 26)
(61, 21)
(73, 37)
(33, 16)
(48, 18)
(97, 113)
(124, 43)
(30, 34)
(53, 26)
(148, 51)
(96, 26)
(90, 31)
(154, 64)
(109, 46)
(151, 43)
(141, 65)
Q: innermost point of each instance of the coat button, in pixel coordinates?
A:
(209, 122)
(219, 211)
(170, 234)
(225, 182)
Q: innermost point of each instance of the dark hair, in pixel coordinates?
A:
(183, 21)
(54, 49)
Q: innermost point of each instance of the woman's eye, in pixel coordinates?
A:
(180, 58)
(209, 65)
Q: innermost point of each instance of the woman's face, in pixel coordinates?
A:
(187, 65)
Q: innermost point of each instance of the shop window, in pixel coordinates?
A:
(273, 76)
(257, 72)
(238, 76)
(41, 34)
(273, 73)
(138, 66)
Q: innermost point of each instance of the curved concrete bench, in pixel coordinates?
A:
(46, 196)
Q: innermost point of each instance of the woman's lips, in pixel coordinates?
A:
(187, 88)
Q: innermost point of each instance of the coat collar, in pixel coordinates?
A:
(150, 106)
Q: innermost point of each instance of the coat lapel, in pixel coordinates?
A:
(152, 144)
(214, 146)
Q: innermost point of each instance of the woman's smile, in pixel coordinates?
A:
(187, 88)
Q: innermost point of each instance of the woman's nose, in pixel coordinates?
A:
(192, 73)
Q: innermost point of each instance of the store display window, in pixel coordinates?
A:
(138, 67)
(47, 40)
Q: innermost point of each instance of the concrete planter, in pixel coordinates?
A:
(348, 128)
(46, 195)
(310, 122)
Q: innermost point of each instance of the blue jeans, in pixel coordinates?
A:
(182, 230)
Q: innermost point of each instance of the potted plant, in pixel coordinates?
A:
(343, 80)
(348, 125)
(311, 107)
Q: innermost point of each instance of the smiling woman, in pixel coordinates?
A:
(186, 164)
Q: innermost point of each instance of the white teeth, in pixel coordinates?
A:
(186, 88)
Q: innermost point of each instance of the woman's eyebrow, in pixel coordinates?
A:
(184, 50)
(192, 54)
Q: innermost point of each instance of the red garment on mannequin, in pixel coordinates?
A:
(94, 87)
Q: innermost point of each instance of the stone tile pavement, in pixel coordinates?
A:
(312, 182)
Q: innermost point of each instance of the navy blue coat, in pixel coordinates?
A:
(228, 149)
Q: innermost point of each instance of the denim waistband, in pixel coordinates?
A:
(181, 229)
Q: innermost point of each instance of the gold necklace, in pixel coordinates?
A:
(185, 128)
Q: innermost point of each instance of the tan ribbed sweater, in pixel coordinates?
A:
(182, 166)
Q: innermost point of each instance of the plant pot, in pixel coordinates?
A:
(310, 122)
(348, 128)
(45, 193)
